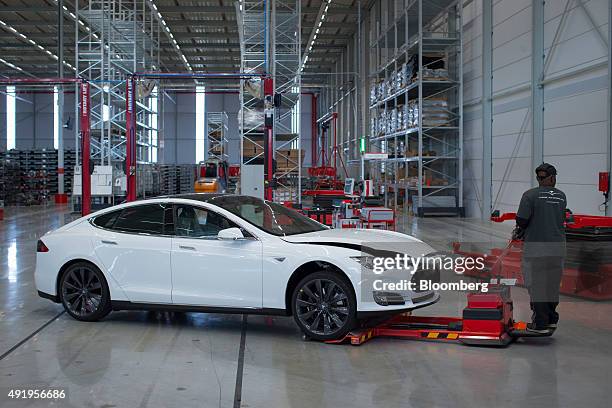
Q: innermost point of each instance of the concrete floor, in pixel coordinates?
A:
(138, 359)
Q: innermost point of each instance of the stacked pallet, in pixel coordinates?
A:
(287, 160)
(252, 149)
(30, 176)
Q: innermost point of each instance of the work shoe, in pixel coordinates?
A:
(532, 328)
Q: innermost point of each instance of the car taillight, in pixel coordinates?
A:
(41, 247)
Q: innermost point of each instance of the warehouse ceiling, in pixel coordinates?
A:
(206, 32)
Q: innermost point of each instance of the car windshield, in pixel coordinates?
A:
(270, 217)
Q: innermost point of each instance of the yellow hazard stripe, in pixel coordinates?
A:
(439, 335)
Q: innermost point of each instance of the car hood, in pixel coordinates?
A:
(358, 238)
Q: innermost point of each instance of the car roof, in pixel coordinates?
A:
(203, 197)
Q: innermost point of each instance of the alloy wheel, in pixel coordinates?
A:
(322, 306)
(82, 291)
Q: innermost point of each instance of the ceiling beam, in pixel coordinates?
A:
(35, 23)
(232, 10)
(204, 54)
(202, 23)
(38, 35)
(234, 35)
(28, 9)
(233, 24)
(196, 9)
(200, 46)
(196, 36)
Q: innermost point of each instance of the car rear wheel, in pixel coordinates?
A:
(324, 306)
(84, 292)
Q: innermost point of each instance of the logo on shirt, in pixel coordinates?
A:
(551, 195)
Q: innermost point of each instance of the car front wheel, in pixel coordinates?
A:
(84, 292)
(324, 306)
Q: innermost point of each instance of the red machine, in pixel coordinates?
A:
(588, 265)
(487, 321)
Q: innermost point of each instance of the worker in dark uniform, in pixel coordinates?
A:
(540, 223)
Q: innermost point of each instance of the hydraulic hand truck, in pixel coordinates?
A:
(487, 321)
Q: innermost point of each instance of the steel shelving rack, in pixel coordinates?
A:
(120, 38)
(270, 45)
(422, 40)
(216, 136)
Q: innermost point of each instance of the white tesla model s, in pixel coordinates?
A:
(217, 253)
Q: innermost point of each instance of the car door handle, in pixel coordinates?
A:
(187, 247)
(109, 242)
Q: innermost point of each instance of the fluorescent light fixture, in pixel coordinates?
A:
(10, 117)
(25, 37)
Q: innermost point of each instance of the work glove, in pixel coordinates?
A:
(518, 234)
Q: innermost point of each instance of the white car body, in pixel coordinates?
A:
(246, 275)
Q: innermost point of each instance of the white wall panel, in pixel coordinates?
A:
(580, 139)
(505, 9)
(508, 122)
(582, 108)
(511, 51)
(512, 27)
(512, 145)
(579, 168)
(512, 75)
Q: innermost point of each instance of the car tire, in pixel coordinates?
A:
(84, 292)
(324, 306)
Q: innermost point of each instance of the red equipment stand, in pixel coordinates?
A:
(85, 150)
(269, 138)
(487, 321)
(130, 131)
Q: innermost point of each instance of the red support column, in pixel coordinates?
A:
(323, 146)
(85, 150)
(130, 145)
(268, 138)
(335, 147)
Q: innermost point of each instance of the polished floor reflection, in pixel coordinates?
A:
(141, 359)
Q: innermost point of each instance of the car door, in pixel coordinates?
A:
(134, 245)
(207, 271)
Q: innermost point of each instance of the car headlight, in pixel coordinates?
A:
(365, 261)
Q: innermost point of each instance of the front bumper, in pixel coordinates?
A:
(412, 304)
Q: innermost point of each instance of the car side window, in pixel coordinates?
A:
(199, 222)
(148, 219)
(106, 220)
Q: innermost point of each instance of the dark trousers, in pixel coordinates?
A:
(543, 278)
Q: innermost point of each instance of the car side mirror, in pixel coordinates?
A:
(231, 234)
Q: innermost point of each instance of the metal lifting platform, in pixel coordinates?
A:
(487, 321)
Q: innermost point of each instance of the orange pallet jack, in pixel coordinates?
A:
(487, 321)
